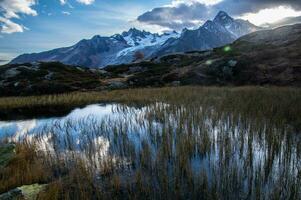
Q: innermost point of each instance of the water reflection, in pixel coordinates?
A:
(201, 145)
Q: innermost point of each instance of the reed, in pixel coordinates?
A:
(168, 143)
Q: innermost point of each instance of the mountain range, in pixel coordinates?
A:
(267, 57)
(99, 52)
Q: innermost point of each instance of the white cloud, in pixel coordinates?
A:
(7, 26)
(63, 2)
(66, 13)
(5, 57)
(86, 2)
(12, 9)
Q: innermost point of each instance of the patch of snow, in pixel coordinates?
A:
(140, 43)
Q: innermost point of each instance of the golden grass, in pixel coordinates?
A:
(25, 168)
(279, 103)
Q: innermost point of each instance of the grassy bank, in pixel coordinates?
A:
(168, 94)
(278, 103)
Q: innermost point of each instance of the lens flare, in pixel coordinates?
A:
(227, 49)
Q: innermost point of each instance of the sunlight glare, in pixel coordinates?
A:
(271, 15)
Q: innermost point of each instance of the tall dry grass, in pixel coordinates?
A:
(189, 143)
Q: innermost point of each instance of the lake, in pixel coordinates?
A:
(228, 151)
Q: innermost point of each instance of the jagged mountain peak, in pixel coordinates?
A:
(133, 32)
(223, 18)
(237, 27)
(222, 15)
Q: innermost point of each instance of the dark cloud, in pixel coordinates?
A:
(176, 17)
(186, 15)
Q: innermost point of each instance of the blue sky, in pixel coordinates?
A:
(28, 26)
(59, 25)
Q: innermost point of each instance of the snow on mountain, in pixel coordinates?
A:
(121, 48)
(102, 51)
(138, 43)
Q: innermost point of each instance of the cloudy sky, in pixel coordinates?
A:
(28, 26)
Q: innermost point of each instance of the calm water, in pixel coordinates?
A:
(228, 150)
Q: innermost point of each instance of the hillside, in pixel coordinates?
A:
(269, 57)
(46, 78)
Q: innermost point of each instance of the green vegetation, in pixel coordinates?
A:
(28, 192)
(168, 143)
(31, 191)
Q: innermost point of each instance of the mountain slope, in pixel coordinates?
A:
(92, 53)
(222, 30)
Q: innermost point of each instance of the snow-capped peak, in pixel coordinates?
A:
(138, 40)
